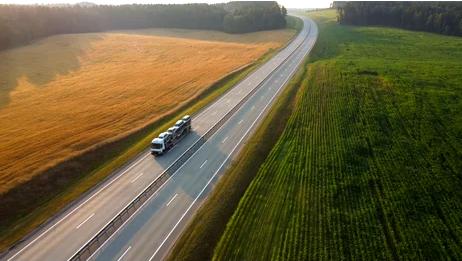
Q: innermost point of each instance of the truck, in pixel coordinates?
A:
(166, 140)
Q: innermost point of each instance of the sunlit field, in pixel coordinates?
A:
(66, 93)
(369, 164)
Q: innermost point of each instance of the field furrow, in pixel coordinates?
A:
(369, 164)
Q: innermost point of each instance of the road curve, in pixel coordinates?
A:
(150, 232)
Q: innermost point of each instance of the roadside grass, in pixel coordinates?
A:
(60, 185)
(209, 222)
(369, 164)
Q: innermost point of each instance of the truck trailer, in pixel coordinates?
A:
(166, 140)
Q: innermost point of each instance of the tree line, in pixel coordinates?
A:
(437, 17)
(21, 24)
(244, 17)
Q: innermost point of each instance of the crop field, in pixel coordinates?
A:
(369, 166)
(64, 94)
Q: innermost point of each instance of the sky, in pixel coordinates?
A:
(286, 3)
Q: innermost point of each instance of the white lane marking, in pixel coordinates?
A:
(83, 222)
(141, 207)
(123, 224)
(126, 251)
(203, 164)
(78, 207)
(137, 177)
(239, 123)
(163, 184)
(222, 164)
(224, 139)
(173, 198)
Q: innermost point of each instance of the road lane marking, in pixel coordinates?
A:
(126, 251)
(203, 164)
(172, 199)
(83, 222)
(221, 166)
(162, 185)
(239, 123)
(137, 177)
(77, 208)
(224, 139)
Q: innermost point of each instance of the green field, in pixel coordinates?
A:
(369, 165)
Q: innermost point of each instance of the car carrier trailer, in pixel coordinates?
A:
(171, 137)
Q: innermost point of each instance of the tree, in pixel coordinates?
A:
(439, 17)
(21, 24)
(283, 11)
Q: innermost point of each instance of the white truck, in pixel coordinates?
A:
(172, 136)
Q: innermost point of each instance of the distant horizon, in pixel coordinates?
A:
(286, 3)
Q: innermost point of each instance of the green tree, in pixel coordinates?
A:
(21, 24)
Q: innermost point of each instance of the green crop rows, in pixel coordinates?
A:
(369, 166)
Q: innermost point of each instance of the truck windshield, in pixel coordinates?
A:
(156, 146)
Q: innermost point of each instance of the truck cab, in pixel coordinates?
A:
(162, 143)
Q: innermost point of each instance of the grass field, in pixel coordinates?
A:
(208, 224)
(203, 232)
(64, 94)
(369, 165)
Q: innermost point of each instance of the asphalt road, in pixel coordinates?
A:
(152, 230)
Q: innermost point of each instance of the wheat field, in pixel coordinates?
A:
(64, 94)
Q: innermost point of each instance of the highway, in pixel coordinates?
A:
(151, 231)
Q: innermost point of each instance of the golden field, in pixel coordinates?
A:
(64, 94)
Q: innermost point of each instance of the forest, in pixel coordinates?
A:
(20, 24)
(436, 17)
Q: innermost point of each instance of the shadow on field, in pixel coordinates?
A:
(41, 62)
